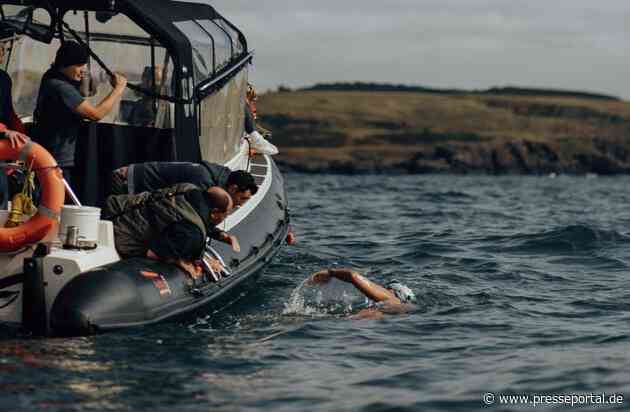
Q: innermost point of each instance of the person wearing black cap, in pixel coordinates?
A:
(61, 108)
(151, 176)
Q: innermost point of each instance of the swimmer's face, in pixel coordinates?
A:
(75, 72)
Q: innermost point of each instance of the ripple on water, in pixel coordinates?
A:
(522, 286)
(572, 238)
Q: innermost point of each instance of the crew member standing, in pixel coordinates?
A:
(61, 108)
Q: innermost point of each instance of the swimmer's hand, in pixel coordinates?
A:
(319, 278)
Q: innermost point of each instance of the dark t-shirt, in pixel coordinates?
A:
(151, 176)
(6, 105)
(57, 124)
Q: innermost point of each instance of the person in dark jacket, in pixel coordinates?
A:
(14, 131)
(169, 224)
(61, 107)
(147, 177)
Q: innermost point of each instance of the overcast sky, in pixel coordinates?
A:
(569, 44)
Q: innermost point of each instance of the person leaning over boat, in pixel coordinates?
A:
(61, 107)
(394, 297)
(14, 131)
(150, 176)
(169, 224)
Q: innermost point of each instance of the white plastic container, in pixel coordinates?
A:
(84, 217)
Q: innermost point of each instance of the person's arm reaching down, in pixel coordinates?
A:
(221, 236)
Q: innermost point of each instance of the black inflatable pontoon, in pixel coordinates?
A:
(195, 96)
(138, 292)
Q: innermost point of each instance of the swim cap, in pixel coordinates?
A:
(401, 291)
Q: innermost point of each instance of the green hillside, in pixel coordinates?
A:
(413, 132)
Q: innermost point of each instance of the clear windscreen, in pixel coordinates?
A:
(222, 118)
(214, 45)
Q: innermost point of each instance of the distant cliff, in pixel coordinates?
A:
(509, 91)
(406, 131)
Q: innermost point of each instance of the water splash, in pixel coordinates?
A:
(201, 324)
(334, 297)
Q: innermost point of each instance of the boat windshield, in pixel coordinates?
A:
(215, 44)
(120, 43)
(222, 119)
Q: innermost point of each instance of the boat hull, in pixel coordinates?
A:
(139, 291)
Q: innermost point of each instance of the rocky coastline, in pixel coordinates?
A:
(357, 132)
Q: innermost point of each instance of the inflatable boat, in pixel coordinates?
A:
(192, 108)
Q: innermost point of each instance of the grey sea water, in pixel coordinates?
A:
(523, 287)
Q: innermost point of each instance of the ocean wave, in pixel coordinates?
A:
(572, 238)
(447, 196)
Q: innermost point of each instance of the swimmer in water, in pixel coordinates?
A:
(394, 297)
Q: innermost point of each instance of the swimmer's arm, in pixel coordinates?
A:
(370, 289)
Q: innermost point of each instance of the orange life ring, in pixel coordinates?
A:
(52, 198)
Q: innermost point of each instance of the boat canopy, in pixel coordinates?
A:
(186, 67)
(195, 34)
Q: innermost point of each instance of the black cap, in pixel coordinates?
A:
(71, 53)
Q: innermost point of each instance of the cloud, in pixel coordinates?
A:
(574, 44)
